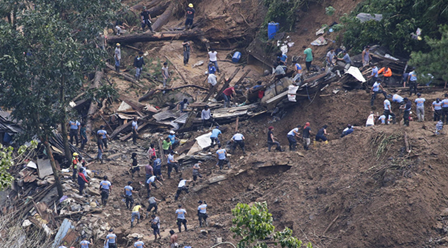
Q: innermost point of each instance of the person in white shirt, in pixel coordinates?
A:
(214, 59)
(182, 186)
(238, 140)
(370, 119)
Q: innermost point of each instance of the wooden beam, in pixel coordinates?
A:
(175, 67)
(93, 105)
(119, 129)
(127, 136)
(125, 75)
(214, 88)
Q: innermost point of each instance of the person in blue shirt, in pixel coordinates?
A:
(222, 159)
(202, 213)
(157, 166)
(211, 68)
(298, 69)
(183, 105)
(111, 239)
(388, 110)
(346, 58)
(134, 131)
(374, 75)
(105, 189)
(172, 163)
(377, 89)
(215, 136)
(104, 136)
(180, 215)
(348, 130)
(437, 109)
(174, 140)
(407, 110)
(85, 243)
(74, 131)
(138, 243)
(420, 102)
(128, 190)
(445, 109)
(412, 81)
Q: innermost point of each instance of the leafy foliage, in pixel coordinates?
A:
(400, 19)
(434, 61)
(7, 160)
(329, 10)
(253, 224)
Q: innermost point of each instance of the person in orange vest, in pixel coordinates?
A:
(387, 74)
(75, 162)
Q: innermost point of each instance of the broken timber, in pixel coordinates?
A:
(170, 35)
(125, 75)
(175, 67)
(152, 92)
(226, 85)
(93, 105)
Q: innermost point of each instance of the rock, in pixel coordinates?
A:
(116, 206)
(204, 232)
(217, 179)
(444, 212)
(117, 213)
(250, 187)
(93, 192)
(86, 208)
(75, 207)
(93, 204)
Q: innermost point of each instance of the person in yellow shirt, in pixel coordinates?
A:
(136, 213)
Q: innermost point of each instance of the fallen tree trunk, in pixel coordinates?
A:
(226, 85)
(175, 67)
(139, 6)
(142, 37)
(152, 92)
(93, 105)
(125, 75)
(163, 19)
(119, 129)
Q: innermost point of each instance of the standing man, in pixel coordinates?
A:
(291, 138)
(74, 130)
(222, 159)
(202, 213)
(376, 89)
(189, 14)
(228, 95)
(298, 69)
(111, 239)
(437, 109)
(211, 68)
(149, 172)
(366, 57)
(136, 214)
(172, 163)
(146, 19)
(152, 204)
(105, 189)
(155, 225)
(104, 136)
(407, 110)
(387, 74)
(309, 57)
(117, 57)
(83, 135)
(157, 165)
(320, 136)
(102, 41)
(187, 48)
(85, 243)
(138, 64)
(180, 214)
(165, 74)
(272, 141)
(81, 181)
(128, 190)
(166, 146)
(206, 117)
(100, 144)
(138, 243)
(420, 102)
(330, 57)
(306, 136)
(196, 169)
(445, 109)
(388, 111)
(183, 105)
(215, 136)
(134, 130)
(214, 59)
(174, 140)
(238, 139)
(412, 81)
(374, 75)
(75, 163)
(182, 186)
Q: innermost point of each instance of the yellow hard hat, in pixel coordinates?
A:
(75, 154)
(118, 44)
(190, 5)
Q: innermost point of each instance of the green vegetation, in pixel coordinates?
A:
(400, 19)
(253, 225)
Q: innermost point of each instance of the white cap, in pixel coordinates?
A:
(172, 132)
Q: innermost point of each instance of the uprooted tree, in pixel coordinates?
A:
(253, 225)
(44, 56)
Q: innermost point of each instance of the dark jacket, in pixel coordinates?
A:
(139, 62)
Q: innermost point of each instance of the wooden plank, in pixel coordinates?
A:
(119, 129)
(213, 89)
(125, 75)
(127, 136)
(178, 72)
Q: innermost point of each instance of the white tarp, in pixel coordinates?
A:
(124, 107)
(319, 41)
(204, 140)
(292, 89)
(363, 17)
(356, 73)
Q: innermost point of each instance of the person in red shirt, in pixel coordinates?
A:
(81, 180)
(228, 95)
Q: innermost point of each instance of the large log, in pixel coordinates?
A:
(93, 105)
(147, 36)
(163, 19)
(159, 9)
(125, 75)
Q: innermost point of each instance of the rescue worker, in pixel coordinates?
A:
(138, 243)
(128, 190)
(139, 62)
(298, 69)
(186, 48)
(136, 214)
(222, 159)
(348, 130)
(272, 141)
(111, 239)
(134, 165)
(134, 131)
(81, 181)
(206, 117)
(155, 225)
(202, 213)
(228, 95)
(117, 57)
(320, 136)
(83, 135)
(215, 136)
(152, 204)
(445, 109)
(182, 186)
(180, 215)
(146, 19)
(388, 110)
(196, 169)
(104, 136)
(387, 74)
(374, 75)
(105, 189)
(366, 56)
(437, 109)
(238, 140)
(377, 89)
(74, 131)
(407, 110)
(306, 132)
(173, 240)
(152, 181)
(157, 166)
(420, 102)
(412, 81)
(172, 163)
(75, 163)
(84, 242)
(291, 138)
(189, 14)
